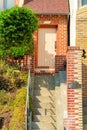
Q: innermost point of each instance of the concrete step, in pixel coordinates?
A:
(44, 125)
(43, 88)
(85, 127)
(84, 110)
(38, 118)
(43, 92)
(85, 102)
(62, 75)
(44, 129)
(44, 81)
(44, 99)
(85, 119)
(47, 105)
(44, 111)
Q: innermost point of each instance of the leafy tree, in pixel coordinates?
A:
(17, 26)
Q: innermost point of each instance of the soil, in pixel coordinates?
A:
(5, 119)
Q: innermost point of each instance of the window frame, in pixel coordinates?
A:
(1, 5)
(5, 4)
(83, 4)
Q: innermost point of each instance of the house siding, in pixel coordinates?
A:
(81, 41)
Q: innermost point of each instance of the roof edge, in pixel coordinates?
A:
(52, 13)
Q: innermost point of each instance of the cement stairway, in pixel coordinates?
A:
(44, 103)
(84, 114)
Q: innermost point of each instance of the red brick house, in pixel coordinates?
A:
(51, 52)
(51, 39)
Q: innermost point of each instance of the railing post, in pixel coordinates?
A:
(28, 113)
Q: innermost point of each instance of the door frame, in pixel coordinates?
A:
(36, 55)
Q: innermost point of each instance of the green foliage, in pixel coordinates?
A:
(13, 101)
(5, 83)
(5, 99)
(17, 26)
(19, 82)
(2, 52)
(20, 97)
(18, 117)
(11, 78)
(4, 128)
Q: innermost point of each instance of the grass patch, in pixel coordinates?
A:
(18, 116)
(12, 97)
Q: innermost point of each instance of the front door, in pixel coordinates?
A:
(46, 47)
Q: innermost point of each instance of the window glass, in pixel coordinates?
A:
(1, 4)
(84, 2)
(5, 4)
(8, 3)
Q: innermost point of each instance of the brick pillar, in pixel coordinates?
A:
(74, 119)
(32, 64)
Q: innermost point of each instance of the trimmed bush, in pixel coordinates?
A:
(17, 26)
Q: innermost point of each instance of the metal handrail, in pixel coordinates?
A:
(28, 113)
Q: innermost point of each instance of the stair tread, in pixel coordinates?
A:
(44, 111)
(44, 105)
(85, 126)
(44, 125)
(44, 118)
(44, 101)
(84, 102)
(44, 129)
(44, 91)
(43, 96)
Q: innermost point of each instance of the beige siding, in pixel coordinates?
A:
(46, 47)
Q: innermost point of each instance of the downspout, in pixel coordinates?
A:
(68, 23)
(21, 2)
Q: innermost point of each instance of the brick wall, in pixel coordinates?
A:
(81, 40)
(24, 63)
(60, 21)
(74, 89)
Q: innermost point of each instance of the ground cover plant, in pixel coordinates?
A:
(12, 98)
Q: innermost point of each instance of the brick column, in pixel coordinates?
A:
(74, 119)
(28, 62)
(32, 64)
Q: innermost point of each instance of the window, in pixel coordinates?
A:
(8, 4)
(84, 2)
(4, 4)
(1, 4)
